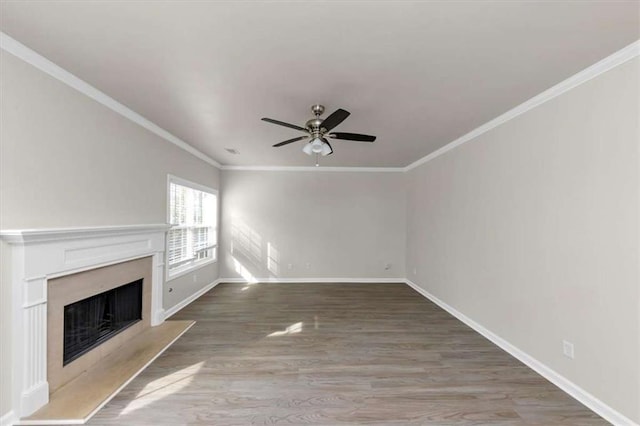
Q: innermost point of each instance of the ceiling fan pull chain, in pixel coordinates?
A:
(317, 164)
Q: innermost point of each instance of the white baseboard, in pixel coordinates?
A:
(33, 399)
(314, 280)
(8, 419)
(590, 401)
(178, 306)
(159, 317)
(557, 379)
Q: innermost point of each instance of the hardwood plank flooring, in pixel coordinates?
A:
(334, 354)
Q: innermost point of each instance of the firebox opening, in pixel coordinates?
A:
(91, 321)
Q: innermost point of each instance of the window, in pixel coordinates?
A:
(193, 237)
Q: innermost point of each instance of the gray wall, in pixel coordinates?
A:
(343, 224)
(67, 161)
(532, 230)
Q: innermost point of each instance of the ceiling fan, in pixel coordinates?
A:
(317, 131)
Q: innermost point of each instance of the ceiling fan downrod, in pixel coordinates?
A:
(314, 124)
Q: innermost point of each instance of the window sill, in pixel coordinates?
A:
(189, 269)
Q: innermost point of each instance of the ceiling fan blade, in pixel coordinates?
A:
(290, 141)
(353, 137)
(329, 145)
(337, 117)
(282, 123)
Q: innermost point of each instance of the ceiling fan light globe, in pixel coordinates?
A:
(326, 150)
(307, 149)
(317, 145)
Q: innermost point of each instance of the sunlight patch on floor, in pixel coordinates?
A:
(292, 329)
(162, 387)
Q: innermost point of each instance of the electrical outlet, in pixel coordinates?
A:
(308, 265)
(195, 278)
(415, 271)
(290, 266)
(567, 349)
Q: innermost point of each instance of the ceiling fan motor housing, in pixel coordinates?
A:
(314, 124)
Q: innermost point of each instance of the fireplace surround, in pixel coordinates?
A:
(36, 259)
(69, 290)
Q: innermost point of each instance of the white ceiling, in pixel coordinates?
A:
(416, 74)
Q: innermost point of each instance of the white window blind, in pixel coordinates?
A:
(193, 236)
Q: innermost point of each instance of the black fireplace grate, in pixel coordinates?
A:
(91, 321)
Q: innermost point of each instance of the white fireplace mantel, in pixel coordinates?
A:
(37, 255)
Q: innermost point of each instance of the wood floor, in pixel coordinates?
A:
(334, 354)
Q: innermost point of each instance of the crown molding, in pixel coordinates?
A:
(21, 51)
(312, 169)
(10, 45)
(618, 58)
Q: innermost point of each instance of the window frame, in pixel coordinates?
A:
(196, 264)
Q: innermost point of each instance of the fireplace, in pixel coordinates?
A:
(54, 268)
(91, 321)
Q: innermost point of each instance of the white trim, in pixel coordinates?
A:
(314, 280)
(21, 51)
(593, 403)
(195, 265)
(28, 236)
(191, 269)
(611, 61)
(187, 301)
(9, 419)
(110, 397)
(37, 255)
(312, 169)
(35, 397)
